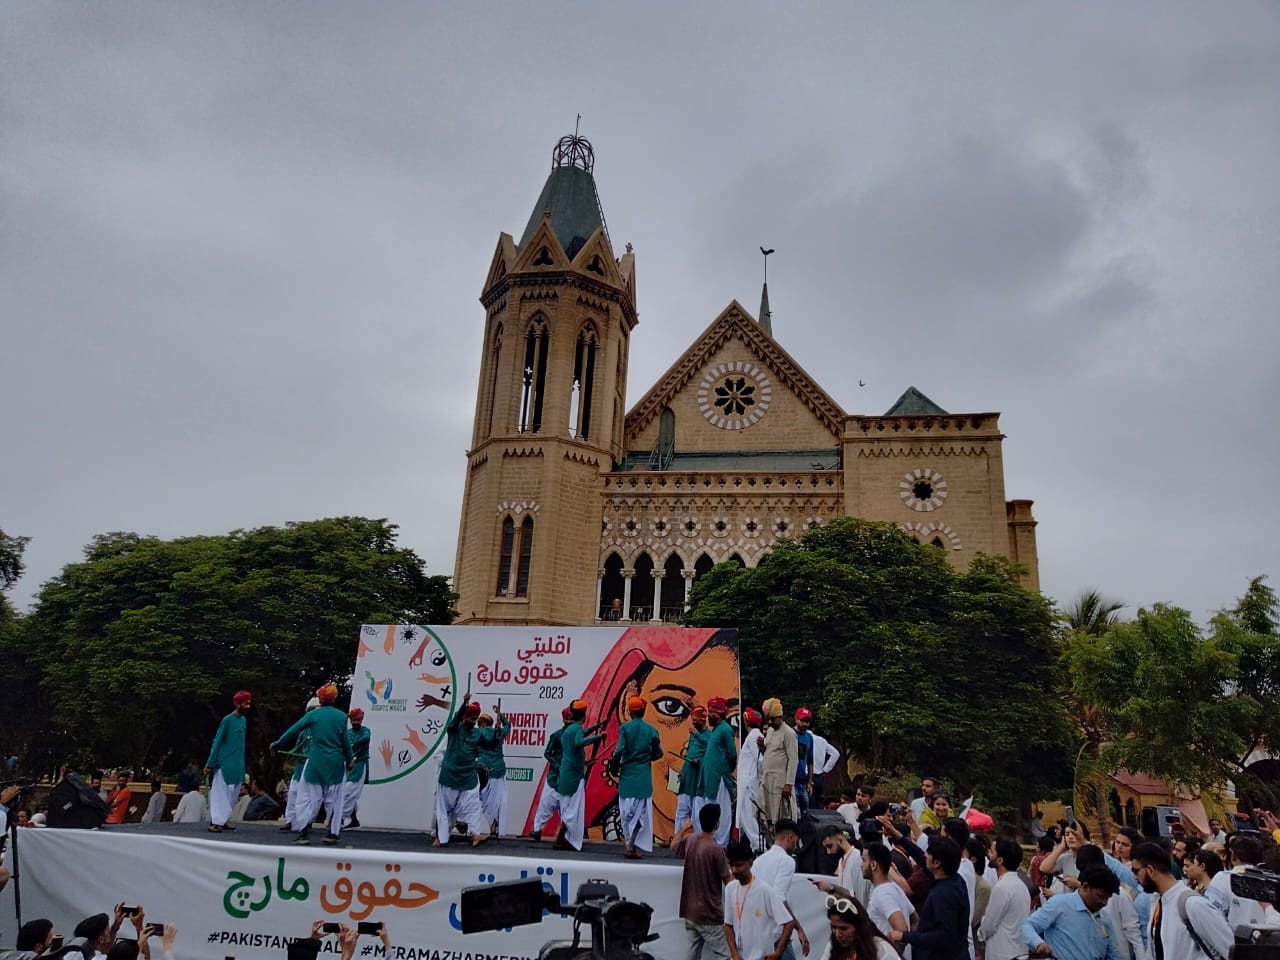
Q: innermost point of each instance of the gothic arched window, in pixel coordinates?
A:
(584, 371)
(526, 557)
(495, 355)
(534, 379)
(504, 561)
(515, 561)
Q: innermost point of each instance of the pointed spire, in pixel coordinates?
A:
(766, 315)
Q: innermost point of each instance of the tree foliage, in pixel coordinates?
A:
(908, 662)
(137, 650)
(1171, 700)
(11, 565)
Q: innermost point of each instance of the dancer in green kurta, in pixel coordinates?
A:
(299, 753)
(715, 779)
(549, 799)
(489, 746)
(639, 747)
(359, 775)
(225, 765)
(687, 790)
(458, 789)
(329, 759)
(571, 781)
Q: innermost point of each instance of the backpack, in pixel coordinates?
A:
(1186, 922)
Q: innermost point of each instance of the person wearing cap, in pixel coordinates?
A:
(549, 798)
(687, 789)
(749, 778)
(715, 778)
(571, 780)
(458, 789)
(489, 753)
(329, 759)
(359, 736)
(299, 753)
(639, 747)
(225, 765)
(778, 764)
(804, 760)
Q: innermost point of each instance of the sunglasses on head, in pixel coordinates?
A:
(843, 905)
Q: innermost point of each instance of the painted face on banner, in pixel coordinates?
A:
(671, 695)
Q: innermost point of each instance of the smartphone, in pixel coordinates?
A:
(55, 943)
(1069, 813)
(330, 928)
(128, 911)
(155, 929)
(373, 927)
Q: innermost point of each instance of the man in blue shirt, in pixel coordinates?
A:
(943, 931)
(1072, 926)
(804, 763)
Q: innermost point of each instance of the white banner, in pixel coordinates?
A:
(409, 680)
(246, 900)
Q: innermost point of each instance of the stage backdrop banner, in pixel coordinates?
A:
(247, 900)
(410, 679)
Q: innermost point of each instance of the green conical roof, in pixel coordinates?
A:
(913, 403)
(570, 195)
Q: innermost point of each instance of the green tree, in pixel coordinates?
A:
(1092, 613)
(140, 646)
(909, 663)
(11, 567)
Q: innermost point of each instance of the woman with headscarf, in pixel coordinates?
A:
(226, 763)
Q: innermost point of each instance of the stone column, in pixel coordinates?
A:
(688, 584)
(626, 594)
(658, 574)
(599, 591)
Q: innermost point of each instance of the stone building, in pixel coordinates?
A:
(578, 510)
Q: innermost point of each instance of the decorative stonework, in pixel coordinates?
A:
(630, 527)
(752, 527)
(517, 507)
(923, 489)
(927, 531)
(734, 396)
(661, 528)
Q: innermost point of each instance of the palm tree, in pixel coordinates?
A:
(1091, 615)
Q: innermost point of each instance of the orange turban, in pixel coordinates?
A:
(328, 694)
(636, 704)
(578, 705)
(698, 711)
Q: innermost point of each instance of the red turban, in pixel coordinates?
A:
(698, 711)
(242, 697)
(328, 694)
(355, 713)
(566, 714)
(752, 717)
(718, 706)
(472, 710)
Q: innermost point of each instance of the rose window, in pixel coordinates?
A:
(923, 489)
(734, 396)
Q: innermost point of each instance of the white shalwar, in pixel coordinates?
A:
(493, 798)
(548, 802)
(454, 805)
(726, 804)
(637, 821)
(749, 788)
(350, 797)
(573, 810)
(222, 799)
(684, 811)
(311, 797)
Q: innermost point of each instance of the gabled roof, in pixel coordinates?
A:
(734, 321)
(913, 403)
(570, 195)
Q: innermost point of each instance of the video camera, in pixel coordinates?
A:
(26, 786)
(618, 926)
(1256, 942)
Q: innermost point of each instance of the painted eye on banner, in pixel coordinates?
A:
(671, 707)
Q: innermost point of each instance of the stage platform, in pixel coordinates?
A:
(244, 894)
(392, 841)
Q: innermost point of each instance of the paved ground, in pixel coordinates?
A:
(365, 838)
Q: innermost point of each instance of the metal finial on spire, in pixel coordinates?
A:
(574, 151)
(766, 262)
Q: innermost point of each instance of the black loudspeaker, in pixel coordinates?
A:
(811, 858)
(73, 803)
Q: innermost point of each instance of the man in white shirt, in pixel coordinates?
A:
(1009, 905)
(825, 757)
(1216, 833)
(748, 778)
(776, 867)
(888, 906)
(928, 787)
(756, 921)
(192, 808)
(1238, 911)
(1168, 935)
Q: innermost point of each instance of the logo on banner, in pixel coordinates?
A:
(378, 693)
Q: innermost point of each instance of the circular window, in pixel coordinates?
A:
(734, 396)
(923, 489)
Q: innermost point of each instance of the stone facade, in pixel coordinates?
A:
(575, 512)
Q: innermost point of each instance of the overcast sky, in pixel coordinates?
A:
(241, 246)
